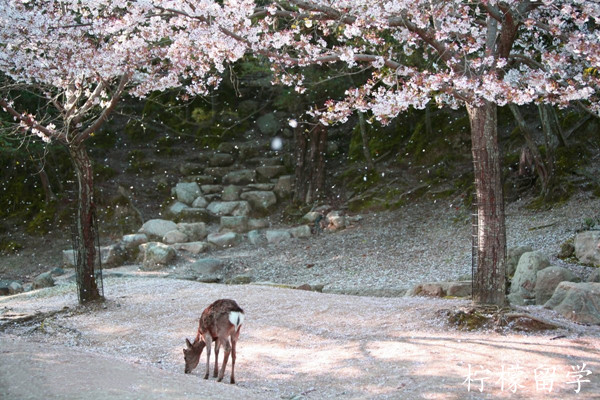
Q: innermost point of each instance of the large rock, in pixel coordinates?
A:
(187, 192)
(208, 269)
(133, 241)
(335, 221)
(15, 288)
(175, 209)
(586, 247)
(193, 247)
(227, 239)
(513, 255)
(237, 224)
(231, 193)
(522, 289)
(260, 201)
(114, 255)
(301, 231)
(284, 186)
(156, 255)
(268, 124)
(594, 276)
(175, 236)
(157, 228)
(268, 172)
(241, 177)
(233, 208)
(547, 281)
(200, 202)
(579, 302)
(220, 160)
(257, 238)
(195, 231)
(43, 280)
(277, 236)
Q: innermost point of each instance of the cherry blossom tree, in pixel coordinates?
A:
(473, 54)
(82, 56)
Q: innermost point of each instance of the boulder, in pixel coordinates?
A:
(237, 224)
(15, 288)
(156, 255)
(195, 231)
(157, 228)
(284, 186)
(594, 276)
(175, 236)
(268, 124)
(522, 289)
(579, 302)
(231, 193)
(208, 269)
(175, 209)
(547, 281)
(187, 192)
(241, 177)
(257, 223)
(586, 247)
(43, 280)
(459, 289)
(193, 247)
(200, 202)
(257, 238)
(335, 221)
(133, 241)
(233, 208)
(513, 255)
(227, 239)
(277, 236)
(114, 255)
(312, 216)
(212, 189)
(268, 172)
(260, 201)
(301, 231)
(220, 160)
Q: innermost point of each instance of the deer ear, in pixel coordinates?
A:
(189, 345)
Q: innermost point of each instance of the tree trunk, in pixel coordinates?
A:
(86, 233)
(310, 164)
(489, 280)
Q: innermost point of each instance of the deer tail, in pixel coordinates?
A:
(236, 318)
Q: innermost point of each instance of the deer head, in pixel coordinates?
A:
(192, 354)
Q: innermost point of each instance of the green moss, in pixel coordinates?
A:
(9, 246)
(42, 221)
(103, 172)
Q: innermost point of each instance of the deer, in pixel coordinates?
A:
(220, 322)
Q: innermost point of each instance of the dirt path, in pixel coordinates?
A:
(294, 345)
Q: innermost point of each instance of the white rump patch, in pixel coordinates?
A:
(236, 318)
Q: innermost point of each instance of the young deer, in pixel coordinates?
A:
(220, 321)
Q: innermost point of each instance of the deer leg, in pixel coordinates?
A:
(225, 359)
(217, 346)
(234, 339)
(208, 341)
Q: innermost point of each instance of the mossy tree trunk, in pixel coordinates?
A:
(489, 281)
